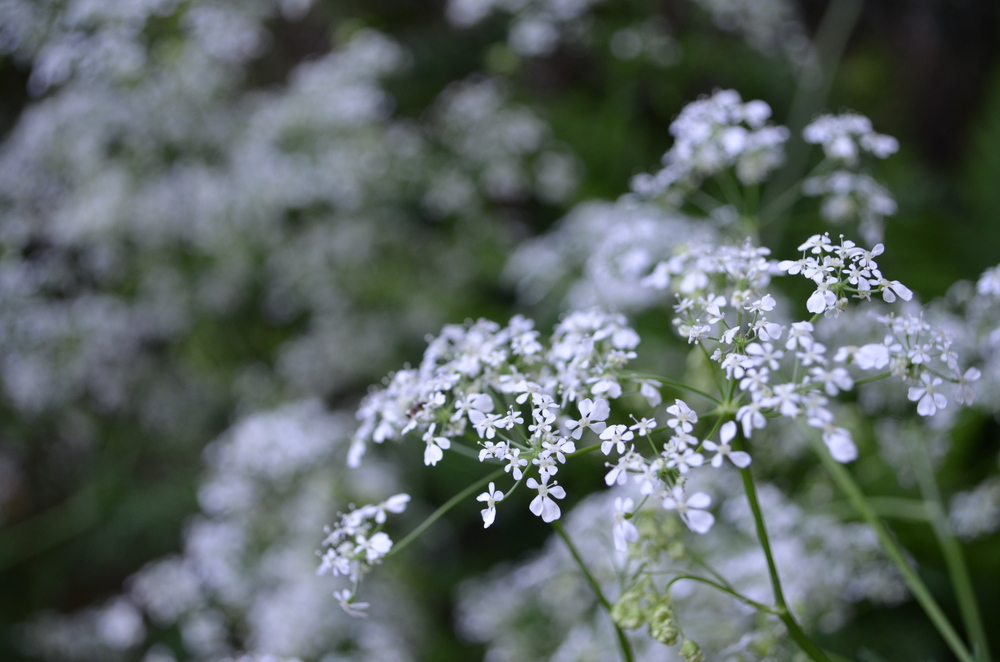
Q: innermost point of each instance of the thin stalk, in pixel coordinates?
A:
(439, 513)
(622, 639)
(952, 551)
(892, 549)
(794, 629)
(739, 596)
(913, 510)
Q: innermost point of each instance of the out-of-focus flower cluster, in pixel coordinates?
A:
(245, 580)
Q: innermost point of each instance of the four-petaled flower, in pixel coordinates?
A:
(691, 508)
(593, 413)
(490, 497)
(616, 435)
(723, 449)
(542, 505)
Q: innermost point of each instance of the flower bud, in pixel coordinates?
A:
(628, 612)
(691, 652)
(661, 623)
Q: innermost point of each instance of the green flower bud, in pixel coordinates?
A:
(661, 623)
(691, 652)
(628, 612)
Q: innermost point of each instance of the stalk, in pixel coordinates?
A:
(892, 549)
(439, 513)
(958, 572)
(623, 641)
(794, 629)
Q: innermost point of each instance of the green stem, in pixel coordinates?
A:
(794, 629)
(439, 513)
(953, 558)
(739, 596)
(888, 507)
(930, 606)
(622, 639)
(873, 378)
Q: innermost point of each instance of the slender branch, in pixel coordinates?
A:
(739, 596)
(892, 549)
(953, 558)
(437, 514)
(622, 639)
(794, 629)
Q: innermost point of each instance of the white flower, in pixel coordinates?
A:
(433, 452)
(346, 601)
(751, 418)
(491, 497)
(375, 547)
(683, 460)
(691, 509)
(623, 531)
(723, 449)
(683, 416)
(644, 426)
(837, 439)
(929, 399)
(515, 463)
(556, 447)
(542, 505)
(873, 356)
(394, 504)
(650, 389)
(965, 393)
(592, 415)
(616, 435)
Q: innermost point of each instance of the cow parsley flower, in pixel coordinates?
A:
(542, 505)
(491, 497)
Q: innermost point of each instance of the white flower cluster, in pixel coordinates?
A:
(537, 27)
(847, 194)
(850, 196)
(724, 304)
(246, 578)
(845, 137)
(976, 512)
(356, 544)
(712, 135)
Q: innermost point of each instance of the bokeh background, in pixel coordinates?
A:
(221, 220)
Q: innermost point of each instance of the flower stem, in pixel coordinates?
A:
(892, 549)
(794, 629)
(952, 552)
(439, 513)
(739, 596)
(622, 639)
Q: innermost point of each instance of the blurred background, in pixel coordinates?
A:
(221, 220)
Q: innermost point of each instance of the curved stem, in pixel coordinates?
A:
(739, 596)
(622, 639)
(892, 549)
(952, 551)
(437, 514)
(794, 629)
